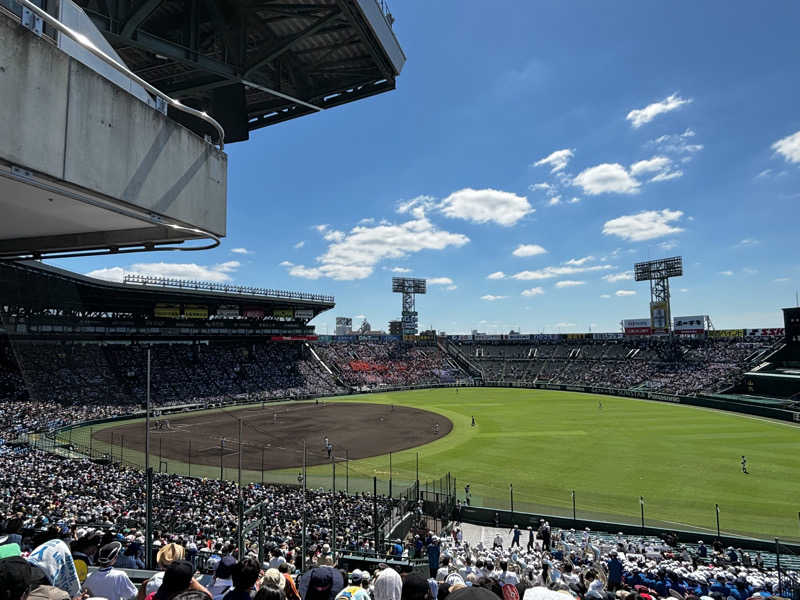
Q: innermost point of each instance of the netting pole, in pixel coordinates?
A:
(375, 511)
(641, 503)
(347, 471)
(303, 549)
(148, 540)
(160, 452)
(189, 457)
(778, 566)
(91, 442)
(262, 465)
(390, 474)
(417, 477)
(574, 517)
(716, 506)
(122, 451)
(221, 450)
(333, 520)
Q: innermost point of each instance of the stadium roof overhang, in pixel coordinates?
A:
(253, 63)
(37, 287)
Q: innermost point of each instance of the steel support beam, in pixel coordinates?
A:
(139, 16)
(285, 44)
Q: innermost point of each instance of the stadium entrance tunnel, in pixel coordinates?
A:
(274, 434)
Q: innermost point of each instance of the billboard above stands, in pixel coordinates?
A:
(167, 311)
(607, 336)
(726, 333)
(768, 332)
(293, 338)
(344, 322)
(195, 311)
(228, 310)
(283, 313)
(303, 313)
(659, 315)
(689, 325)
(637, 327)
(253, 313)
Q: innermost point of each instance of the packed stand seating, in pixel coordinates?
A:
(48, 385)
(541, 561)
(372, 364)
(39, 491)
(673, 366)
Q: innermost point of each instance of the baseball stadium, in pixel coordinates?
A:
(174, 438)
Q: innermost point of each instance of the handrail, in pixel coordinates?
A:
(85, 42)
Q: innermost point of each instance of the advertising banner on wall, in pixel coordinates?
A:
(607, 336)
(303, 313)
(768, 332)
(167, 311)
(637, 327)
(228, 310)
(659, 316)
(726, 333)
(253, 313)
(195, 311)
(689, 325)
(283, 313)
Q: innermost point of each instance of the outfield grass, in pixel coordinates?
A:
(682, 459)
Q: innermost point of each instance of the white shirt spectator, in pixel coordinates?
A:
(111, 584)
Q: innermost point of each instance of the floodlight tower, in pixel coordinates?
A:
(409, 287)
(658, 272)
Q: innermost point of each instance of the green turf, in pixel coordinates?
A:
(682, 459)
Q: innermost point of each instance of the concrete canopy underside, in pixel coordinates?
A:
(86, 165)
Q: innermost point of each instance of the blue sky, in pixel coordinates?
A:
(549, 145)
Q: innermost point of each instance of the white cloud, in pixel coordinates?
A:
(564, 325)
(652, 165)
(749, 271)
(400, 270)
(450, 288)
(789, 147)
(300, 244)
(624, 293)
(574, 200)
(534, 291)
(606, 178)
(360, 317)
(580, 261)
(529, 250)
(548, 188)
(569, 283)
(641, 116)
(241, 251)
(286, 263)
(440, 281)
(492, 298)
(763, 174)
(667, 175)
(748, 242)
(726, 273)
(605, 295)
(366, 221)
(496, 275)
(321, 228)
(550, 272)
(334, 235)
(218, 273)
(645, 225)
(416, 206)
(624, 276)
(684, 290)
(355, 255)
(780, 280)
(677, 143)
(558, 160)
(668, 245)
(554, 201)
(484, 206)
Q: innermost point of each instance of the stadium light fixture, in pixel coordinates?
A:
(658, 273)
(409, 287)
